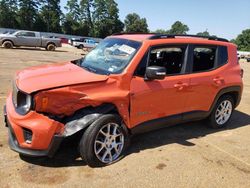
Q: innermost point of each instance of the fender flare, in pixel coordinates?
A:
(9, 41)
(85, 117)
(231, 89)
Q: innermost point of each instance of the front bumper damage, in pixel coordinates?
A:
(45, 133)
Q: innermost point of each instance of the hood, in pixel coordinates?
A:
(56, 75)
(5, 35)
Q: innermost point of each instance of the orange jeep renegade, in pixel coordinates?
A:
(130, 83)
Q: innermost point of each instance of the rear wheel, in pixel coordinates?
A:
(8, 44)
(81, 46)
(104, 142)
(51, 47)
(222, 112)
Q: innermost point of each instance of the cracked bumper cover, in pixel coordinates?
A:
(46, 133)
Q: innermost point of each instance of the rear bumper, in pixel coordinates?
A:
(45, 132)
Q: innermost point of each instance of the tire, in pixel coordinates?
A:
(51, 47)
(81, 46)
(220, 116)
(96, 154)
(8, 44)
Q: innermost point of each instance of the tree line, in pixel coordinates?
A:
(96, 18)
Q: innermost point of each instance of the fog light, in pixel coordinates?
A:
(27, 135)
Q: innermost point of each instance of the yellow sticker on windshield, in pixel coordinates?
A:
(127, 49)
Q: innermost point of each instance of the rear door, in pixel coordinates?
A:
(206, 76)
(151, 100)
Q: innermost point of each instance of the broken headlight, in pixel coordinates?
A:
(21, 101)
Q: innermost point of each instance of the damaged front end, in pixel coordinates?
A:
(77, 109)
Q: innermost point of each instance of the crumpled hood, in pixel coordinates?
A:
(55, 75)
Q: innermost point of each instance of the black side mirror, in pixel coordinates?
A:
(155, 72)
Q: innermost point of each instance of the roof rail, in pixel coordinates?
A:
(162, 36)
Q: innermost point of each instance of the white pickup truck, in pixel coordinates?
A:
(85, 43)
(30, 39)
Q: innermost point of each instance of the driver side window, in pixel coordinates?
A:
(20, 34)
(170, 57)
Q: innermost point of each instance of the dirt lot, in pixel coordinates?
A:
(189, 155)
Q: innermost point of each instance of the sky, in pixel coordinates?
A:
(223, 18)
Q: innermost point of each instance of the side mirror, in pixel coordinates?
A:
(155, 73)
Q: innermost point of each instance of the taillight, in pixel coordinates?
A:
(241, 73)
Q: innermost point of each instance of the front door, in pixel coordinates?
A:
(160, 98)
(26, 38)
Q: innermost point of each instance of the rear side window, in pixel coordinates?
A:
(203, 58)
(222, 56)
(30, 34)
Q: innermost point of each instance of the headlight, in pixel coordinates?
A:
(21, 101)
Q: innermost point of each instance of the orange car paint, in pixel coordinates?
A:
(125, 91)
(43, 128)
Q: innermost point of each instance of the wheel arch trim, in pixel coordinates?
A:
(85, 117)
(228, 90)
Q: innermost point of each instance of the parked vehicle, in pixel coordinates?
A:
(30, 39)
(87, 43)
(64, 40)
(70, 41)
(248, 59)
(128, 84)
(243, 54)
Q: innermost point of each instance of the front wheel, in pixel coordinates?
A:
(8, 44)
(104, 142)
(222, 112)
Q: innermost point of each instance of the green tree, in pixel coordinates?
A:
(178, 28)
(72, 18)
(243, 40)
(8, 16)
(161, 31)
(133, 23)
(86, 22)
(51, 15)
(204, 34)
(106, 18)
(27, 13)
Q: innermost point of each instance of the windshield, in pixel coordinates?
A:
(111, 56)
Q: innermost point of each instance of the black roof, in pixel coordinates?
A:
(166, 36)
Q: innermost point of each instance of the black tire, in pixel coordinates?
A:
(8, 44)
(211, 120)
(51, 47)
(87, 142)
(81, 46)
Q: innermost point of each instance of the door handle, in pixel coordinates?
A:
(180, 86)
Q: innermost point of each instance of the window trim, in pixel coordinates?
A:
(188, 58)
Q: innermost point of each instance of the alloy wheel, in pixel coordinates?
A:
(223, 112)
(109, 143)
